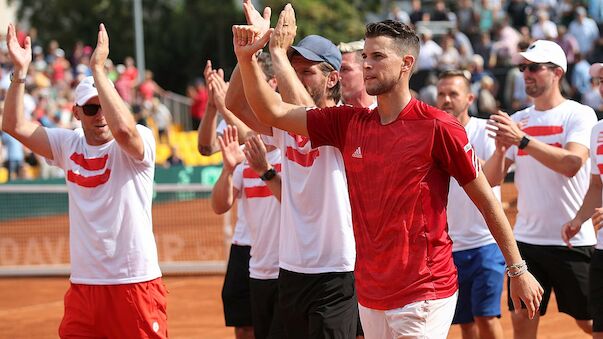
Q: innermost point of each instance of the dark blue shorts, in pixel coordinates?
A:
(481, 276)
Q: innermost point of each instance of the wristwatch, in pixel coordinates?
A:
(268, 175)
(524, 142)
(17, 80)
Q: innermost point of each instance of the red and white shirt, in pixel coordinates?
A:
(110, 194)
(262, 214)
(316, 234)
(596, 158)
(466, 225)
(398, 176)
(547, 199)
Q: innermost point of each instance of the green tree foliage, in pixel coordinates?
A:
(337, 20)
(180, 35)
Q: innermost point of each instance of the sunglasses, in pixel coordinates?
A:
(90, 109)
(535, 67)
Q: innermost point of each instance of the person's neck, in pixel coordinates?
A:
(548, 101)
(362, 99)
(464, 118)
(326, 102)
(392, 103)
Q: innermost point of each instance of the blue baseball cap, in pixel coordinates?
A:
(317, 48)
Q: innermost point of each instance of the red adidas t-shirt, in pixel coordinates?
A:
(398, 176)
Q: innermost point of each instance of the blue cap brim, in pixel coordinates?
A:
(308, 54)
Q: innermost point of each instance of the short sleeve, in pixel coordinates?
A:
(58, 139)
(276, 139)
(454, 153)
(149, 145)
(580, 125)
(328, 126)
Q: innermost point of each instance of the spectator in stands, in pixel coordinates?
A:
(396, 13)
(467, 16)
(148, 88)
(518, 12)
(593, 98)
(595, 10)
(441, 13)
(585, 30)
(505, 48)
(162, 119)
(417, 14)
(450, 57)
(430, 52)
(580, 78)
(352, 77)
(543, 28)
(486, 103)
(486, 16)
(200, 98)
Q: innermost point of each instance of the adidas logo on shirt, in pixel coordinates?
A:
(357, 153)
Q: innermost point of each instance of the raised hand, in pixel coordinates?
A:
(569, 230)
(19, 56)
(229, 145)
(247, 41)
(284, 32)
(219, 88)
(260, 22)
(505, 130)
(255, 153)
(207, 72)
(101, 52)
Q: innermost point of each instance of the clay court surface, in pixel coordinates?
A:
(33, 307)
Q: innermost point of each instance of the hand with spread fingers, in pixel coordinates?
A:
(260, 22)
(218, 88)
(527, 289)
(247, 41)
(231, 152)
(284, 32)
(255, 153)
(20, 56)
(101, 52)
(504, 129)
(207, 73)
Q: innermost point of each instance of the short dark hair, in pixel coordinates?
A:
(406, 39)
(465, 74)
(335, 91)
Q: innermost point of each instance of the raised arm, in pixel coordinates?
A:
(290, 87)
(119, 118)
(496, 167)
(224, 193)
(566, 161)
(32, 135)
(255, 153)
(268, 107)
(524, 286)
(592, 202)
(207, 141)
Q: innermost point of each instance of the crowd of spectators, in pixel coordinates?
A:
(53, 75)
(479, 36)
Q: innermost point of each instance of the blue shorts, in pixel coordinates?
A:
(481, 275)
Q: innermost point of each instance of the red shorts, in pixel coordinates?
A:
(115, 311)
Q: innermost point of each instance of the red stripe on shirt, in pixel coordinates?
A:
(306, 160)
(543, 130)
(91, 164)
(248, 173)
(600, 166)
(257, 192)
(92, 181)
(522, 152)
(599, 149)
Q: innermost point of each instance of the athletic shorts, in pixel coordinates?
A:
(135, 310)
(481, 274)
(267, 322)
(235, 291)
(322, 305)
(563, 270)
(596, 290)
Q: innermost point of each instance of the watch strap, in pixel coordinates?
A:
(268, 175)
(524, 142)
(17, 80)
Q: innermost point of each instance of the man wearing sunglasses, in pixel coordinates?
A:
(549, 145)
(116, 289)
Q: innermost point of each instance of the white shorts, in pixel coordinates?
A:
(421, 320)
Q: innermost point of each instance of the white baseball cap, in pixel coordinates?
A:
(594, 69)
(86, 90)
(541, 51)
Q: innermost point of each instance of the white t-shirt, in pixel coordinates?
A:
(596, 157)
(547, 199)
(263, 214)
(466, 225)
(316, 220)
(110, 196)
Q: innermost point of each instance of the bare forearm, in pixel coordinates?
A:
(243, 130)
(274, 185)
(289, 85)
(592, 200)
(557, 159)
(207, 144)
(262, 100)
(495, 169)
(237, 104)
(222, 195)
